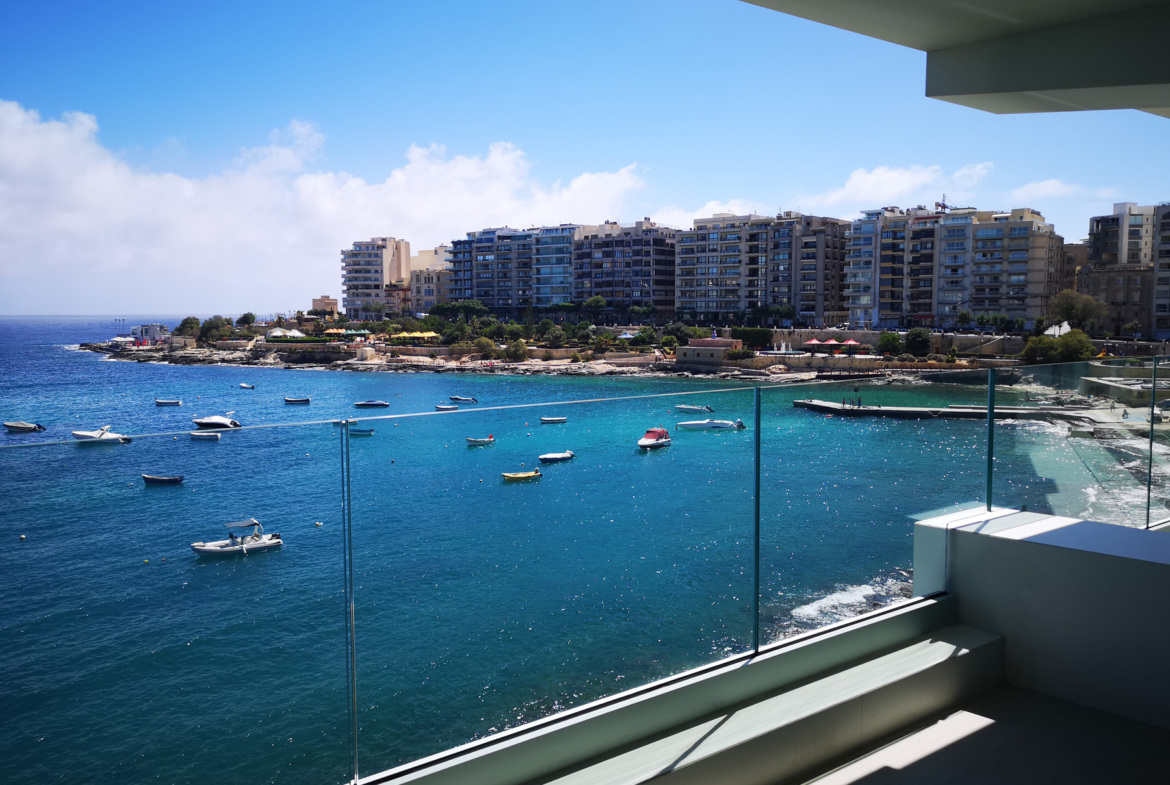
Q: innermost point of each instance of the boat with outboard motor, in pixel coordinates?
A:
(156, 479)
(513, 476)
(557, 457)
(655, 438)
(20, 426)
(686, 407)
(446, 407)
(296, 400)
(361, 431)
(102, 435)
(216, 421)
(711, 425)
(553, 420)
(371, 404)
(461, 399)
(473, 442)
(167, 402)
(256, 541)
(247, 386)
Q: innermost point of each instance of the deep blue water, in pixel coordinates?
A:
(480, 604)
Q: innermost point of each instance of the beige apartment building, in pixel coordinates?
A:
(325, 303)
(373, 273)
(1120, 266)
(430, 274)
(727, 265)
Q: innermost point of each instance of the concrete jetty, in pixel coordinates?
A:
(961, 412)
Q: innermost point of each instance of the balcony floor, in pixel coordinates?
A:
(1016, 736)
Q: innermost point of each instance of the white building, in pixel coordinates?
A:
(368, 269)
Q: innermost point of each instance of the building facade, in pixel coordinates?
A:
(728, 265)
(494, 266)
(1120, 266)
(325, 303)
(428, 288)
(372, 273)
(1161, 261)
(630, 266)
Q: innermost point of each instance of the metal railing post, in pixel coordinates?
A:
(756, 560)
(990, 430)
(347, 567)
(1150, 468)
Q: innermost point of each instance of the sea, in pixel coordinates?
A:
(480, 604)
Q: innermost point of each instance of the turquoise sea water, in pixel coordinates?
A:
(480, 604)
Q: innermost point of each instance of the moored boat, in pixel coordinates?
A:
(553, 420)
(557, 457)
(361, 431)
(205, 436)
(256, 541)
(371, 404)
(101, 436)
(711, 425)
(686, 407)
(215, 421)
(296, 400)
(446, 407)
(655, 438)
(20, 426)
(167, 402)
(513, 476)
(461, 399)
(473, 442)
(156, 479)
(247, 386)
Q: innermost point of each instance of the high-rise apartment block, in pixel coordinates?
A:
(630, 266)
(730, 264)
(922, 267)
(373, 273)
(1161, 251)
(1120, 268)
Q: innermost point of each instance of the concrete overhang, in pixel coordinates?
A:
(1016, 56)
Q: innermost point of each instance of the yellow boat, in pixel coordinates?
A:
(532, 475)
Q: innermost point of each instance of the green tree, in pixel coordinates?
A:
(753, 337)
(318, 329)
(342, 320)
(889, 343)
(212, 328)
(189, 326)
(963, 319)
(555, 337)
(601, 343)
(517, 350)
(680, 332)
(513, 332)
(280, 321)
(594, 305)
(485, 346)
(1039, 326)
(246, 319)
(669, 342)
(1131, 328)
(1073, 346)
(918, 342)
(785, 313)
(1076, 309)
(529, 324)
(544, 326)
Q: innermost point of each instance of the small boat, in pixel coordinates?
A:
(655, 438)
(711, 425)
(511, 476)
(103, 435)
(23, 427)
(361, 431)
(247, 386)
(461, 399)
(557, 457)
(296, 400)
(371, 404)
(446, 407)
(491, 439)
(215, 421)
(686, 407)
(553, 420)
(205, 436)
(154, 479)
(256, 541)
(167, 402)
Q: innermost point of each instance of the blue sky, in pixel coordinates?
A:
(665, 107)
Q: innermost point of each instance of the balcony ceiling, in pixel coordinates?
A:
(1010, 56)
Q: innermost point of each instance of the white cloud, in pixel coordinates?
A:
(971, 175)
(681, 218)
(902, 186)
(82, 231)
(1044, 189)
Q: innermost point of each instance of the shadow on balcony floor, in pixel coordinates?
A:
(1016, 736)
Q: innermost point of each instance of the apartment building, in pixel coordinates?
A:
(1161, 260)
(863, 242)
(731, 264)
(372, 274)
(552, 264)
(495, 266)
(325, 303)
(430, 277)
(1120, 266)
(630, 266)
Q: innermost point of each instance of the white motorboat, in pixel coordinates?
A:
(247, 386)
(296, 400)
(553, 420)
(23, 427)
(473, 442)
(711, 425)
(205, 436)
(215, 421)
(167, 402)
(556, 457)
(686, 407)
(461, 399)
(102, 435)
(446, 407)
(249, 543)
(655, 438)
(371, 404)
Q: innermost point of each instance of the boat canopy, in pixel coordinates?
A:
(248, 524)
(656, 433)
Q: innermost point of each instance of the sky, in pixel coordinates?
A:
(215, 157)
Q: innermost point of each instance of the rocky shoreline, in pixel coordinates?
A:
(273, 358)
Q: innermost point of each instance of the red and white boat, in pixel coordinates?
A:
(655, 438)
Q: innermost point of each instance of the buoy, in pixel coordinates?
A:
(22, 536)
(176, 438)
(146, 561)
(318, 523)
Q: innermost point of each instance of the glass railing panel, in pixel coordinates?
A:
(484, 603)
(844, 479)
(127, 656)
